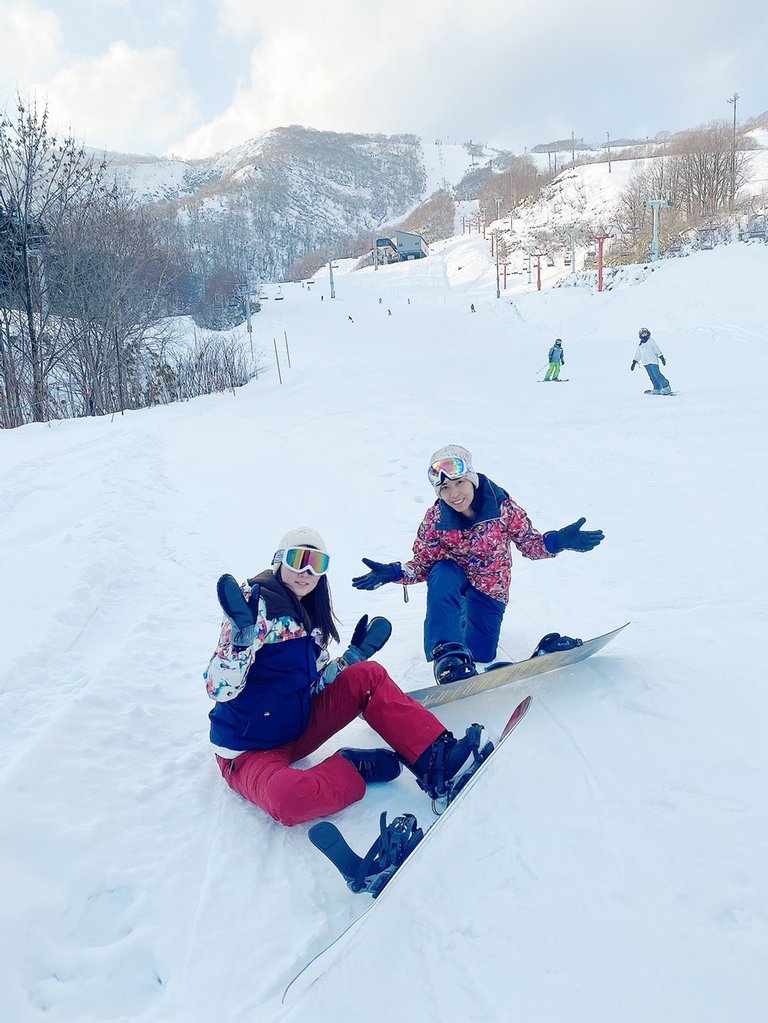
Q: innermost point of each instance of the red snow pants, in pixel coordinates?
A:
(293, 796)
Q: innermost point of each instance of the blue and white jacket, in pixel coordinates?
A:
(264, 692)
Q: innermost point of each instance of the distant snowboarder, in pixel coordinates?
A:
(649, 354)
(556, 360)
(472, 307)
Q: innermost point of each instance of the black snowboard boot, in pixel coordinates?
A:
(452, 662)
(441, 765)
(374, 764)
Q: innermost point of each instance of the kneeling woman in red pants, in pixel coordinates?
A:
(279, 696)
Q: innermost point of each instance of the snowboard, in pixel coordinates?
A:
(435, 695)
(560, 380)
(328, 839)
(659, 395)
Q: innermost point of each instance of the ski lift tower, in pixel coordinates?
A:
(600, 239)
(656, 205)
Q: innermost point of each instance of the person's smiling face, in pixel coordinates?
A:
(458, 494)
(299, 583)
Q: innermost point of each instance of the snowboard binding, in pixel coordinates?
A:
(452, 662)
(369, 873)
(553, 643)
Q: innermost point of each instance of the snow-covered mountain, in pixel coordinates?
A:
(298, 189)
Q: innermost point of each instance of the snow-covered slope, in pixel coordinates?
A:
(610, 865)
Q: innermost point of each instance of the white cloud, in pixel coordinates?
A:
(30, 38)
(490, 70)
(126, 99)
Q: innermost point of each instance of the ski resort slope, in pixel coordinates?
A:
(611, 863)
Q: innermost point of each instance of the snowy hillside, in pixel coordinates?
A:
(155, 179)
(296, 190)
(610, 865)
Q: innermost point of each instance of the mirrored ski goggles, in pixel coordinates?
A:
(306, 559)
(447, 468)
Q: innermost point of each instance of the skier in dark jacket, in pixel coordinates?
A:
(279, 696)
(462, 551)
(556, 360)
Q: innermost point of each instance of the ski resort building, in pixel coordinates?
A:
(406, 246)
(386, 251)
(411, 246)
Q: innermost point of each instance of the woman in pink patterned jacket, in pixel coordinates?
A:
(462, 551)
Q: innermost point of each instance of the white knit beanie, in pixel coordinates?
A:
(301, 537)
(455, 451)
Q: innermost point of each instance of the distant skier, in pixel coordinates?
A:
(462, 552)
(649, 354)
(556, 360)
(472, 307)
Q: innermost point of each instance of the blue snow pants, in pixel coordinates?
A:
(458, 613)
(657, 377)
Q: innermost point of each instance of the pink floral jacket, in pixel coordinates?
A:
(481, 547)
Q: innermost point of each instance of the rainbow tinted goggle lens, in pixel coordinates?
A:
(306, 559)
(447, 468)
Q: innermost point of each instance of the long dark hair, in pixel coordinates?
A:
(319, 607)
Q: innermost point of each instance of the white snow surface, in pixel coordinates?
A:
(611, 864)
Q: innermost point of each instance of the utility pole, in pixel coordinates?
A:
(498, 289)
(538, 256)
(330, 274)
(732, 99)
(572, 234)
(656, 205)
(600, 239)
(608, 146)
(573, 149)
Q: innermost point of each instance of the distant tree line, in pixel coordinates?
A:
(88, 279)
(699, 171)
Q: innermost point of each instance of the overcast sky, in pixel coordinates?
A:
(194, 77)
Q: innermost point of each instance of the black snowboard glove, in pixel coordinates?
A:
(663, 360)
(572, 538)
(236, 608)
(379, 575)
(633, 365)
(367, 639)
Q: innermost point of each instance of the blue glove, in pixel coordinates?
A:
(367, 639)
(378, 576)
(572, 538)
(236, 608)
